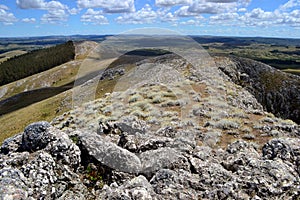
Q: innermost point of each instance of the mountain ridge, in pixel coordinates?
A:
(190, 134)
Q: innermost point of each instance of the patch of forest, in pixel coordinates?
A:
(35, 62)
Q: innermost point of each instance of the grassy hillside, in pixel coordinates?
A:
(46, 109)
(7, 55)
(34, 62)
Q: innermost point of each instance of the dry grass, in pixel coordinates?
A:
(10, 54)
(46, 110)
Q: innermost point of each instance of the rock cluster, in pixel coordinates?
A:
(111, 73)
(44, 163)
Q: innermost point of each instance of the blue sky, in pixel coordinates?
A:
(271, 18)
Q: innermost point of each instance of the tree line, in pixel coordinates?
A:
(36, 61)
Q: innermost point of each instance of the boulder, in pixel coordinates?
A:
(109, 154)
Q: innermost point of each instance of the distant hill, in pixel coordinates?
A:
(21, 66)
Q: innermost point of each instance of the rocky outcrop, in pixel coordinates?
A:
(277, 91)
(44, 163)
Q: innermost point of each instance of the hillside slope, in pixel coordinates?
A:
(54, 77)
(278, 92)
(35, 61)
(167, 130)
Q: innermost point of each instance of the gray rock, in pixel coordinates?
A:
(161, 158)
(40, 174)
(11, 144)
(14, 159)
(136, 188)
(36, 136)
(110, 154)
(168, 131)
(278, 148)
(12, 184)
(138, 142)
(64, 150)
(169, 184)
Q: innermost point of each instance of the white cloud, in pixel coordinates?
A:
(170, 3)
(259, 17)
(31, 4)
(55, 16)
(3, 7)
(205, 7)
(112, 6)
(290, 4)
(183, 12)
(225, 19)
(29, 20)
(57, 12)
(74, 11)
(242, 10)
(197, 7)
(144, 16)
(94, 17)
(193, 22)
(189, 22)
(222, 1)
(169, 17)
(6, 17)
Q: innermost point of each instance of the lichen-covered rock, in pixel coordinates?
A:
(154, 160)
(42, 158)
(136, 188)
(11, 144)
(138, 142)
(36, 136)
(169, 184)
(40, 174)
(110, 154)
(12, 184)
(279, 148)
(64, 150)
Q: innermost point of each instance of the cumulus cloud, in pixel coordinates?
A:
(225, 19)
(259, 17)
(55, 16)
(212, 7)
(57, 12)
(193, 22)
(144, 16)
(170, 3)
(290, 4)
(184, 12)
(222, 1)
(168, 17)
(94, 17)
(6, 17)
(31, 4)
(242, 10)
(112, 6)
(29, 20)
(3, 7)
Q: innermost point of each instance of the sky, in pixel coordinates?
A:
(266, 18)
